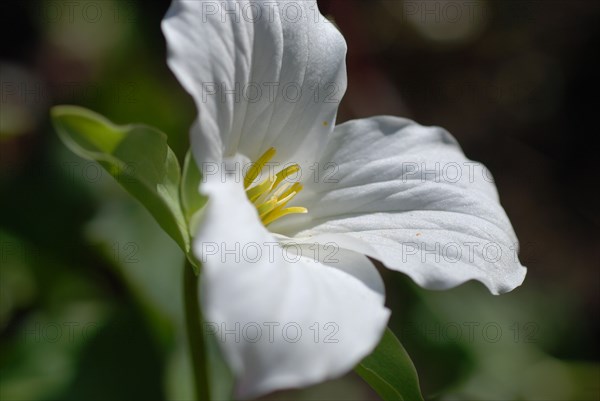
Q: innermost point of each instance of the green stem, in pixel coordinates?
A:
(193, 323)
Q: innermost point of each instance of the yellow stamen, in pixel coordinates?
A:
(271, 196)
(265, 187)
(277, 214)
(285, 173)
(284, 201)
(297, 187)
(282, 189)
(267, 207)
(257, 167)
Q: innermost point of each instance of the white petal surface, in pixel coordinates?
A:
(331, 254)
(406, 195)
(315, 321)
(284, 61)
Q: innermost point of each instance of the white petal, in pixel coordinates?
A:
(259, 287)
(331, 254)
(285, 58)
(406, 195)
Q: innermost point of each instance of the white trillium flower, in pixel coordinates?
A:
(286, 275)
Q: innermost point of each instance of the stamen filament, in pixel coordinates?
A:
(283, 189)
(297, 187)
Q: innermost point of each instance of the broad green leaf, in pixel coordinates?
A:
(137, 156)
(390, 372)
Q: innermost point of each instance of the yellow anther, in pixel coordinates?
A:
(279, 213)
(271, 196)
(284, 201)
(267, 207)
(285, 173)
(264, 187)
(257, 167)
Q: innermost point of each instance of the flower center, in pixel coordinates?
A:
(271, 196)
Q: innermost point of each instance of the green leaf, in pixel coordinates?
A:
(137, 156)
(192, 201)
(390, 372)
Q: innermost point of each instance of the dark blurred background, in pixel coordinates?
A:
(90, 302)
